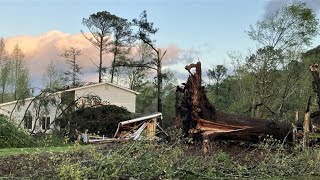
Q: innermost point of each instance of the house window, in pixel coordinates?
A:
(28, 122)
(45, 122)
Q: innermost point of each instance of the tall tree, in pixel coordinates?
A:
(72, 74)
(20, 74)
(5, 69)
(122, 37)
(217, 73)
(100, 26)
(280, 38)
(137, 66)
(289, 27)
(51, 78)
(262, 66)
(3, 53)
(145, 30)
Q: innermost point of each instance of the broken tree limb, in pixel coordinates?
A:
(198, 116)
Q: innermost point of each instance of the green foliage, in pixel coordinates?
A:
(52, 139)
(74, 171)
(147, 100)
(217, 73)
(145, 160)
(5, 152)
(11, 136)
(273, 82)
(52, 79)
(169, 97)
(100, 25)
(73, 71)
(102, 120)
(122, 39)
(291, 26)
(19, 74)
(146, 28)
(139, 160)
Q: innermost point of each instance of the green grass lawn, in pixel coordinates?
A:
(16, 151)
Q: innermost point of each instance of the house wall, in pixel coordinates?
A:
(19, 111)
(110, 94)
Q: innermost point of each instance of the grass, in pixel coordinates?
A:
(16, 151)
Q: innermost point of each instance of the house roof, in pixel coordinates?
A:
(12, 102)
(99, 84)
(78, 88)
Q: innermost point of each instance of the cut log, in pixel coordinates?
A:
(197, 116)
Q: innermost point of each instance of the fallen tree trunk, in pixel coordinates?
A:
(197, 116)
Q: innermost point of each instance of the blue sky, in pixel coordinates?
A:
(215, 25)
(210, 27)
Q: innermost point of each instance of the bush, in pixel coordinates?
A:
(102, 120)
(11, 136)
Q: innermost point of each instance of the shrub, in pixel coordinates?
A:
(102, 120)
(11, 136)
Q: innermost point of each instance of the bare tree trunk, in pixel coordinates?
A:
(100, 63)
(74, 83)
(113, 66)
(159, 86)
(2, 94)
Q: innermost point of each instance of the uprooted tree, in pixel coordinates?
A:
(198, 117)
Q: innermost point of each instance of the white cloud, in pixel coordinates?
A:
(39, 50)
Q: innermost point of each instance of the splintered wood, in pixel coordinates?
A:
(197, 116)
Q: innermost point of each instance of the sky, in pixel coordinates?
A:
(190, 30)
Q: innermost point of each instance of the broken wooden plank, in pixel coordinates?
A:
(132, 122)
(106, 140)
(151, 128)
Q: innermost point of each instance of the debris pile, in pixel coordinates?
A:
(145, 127)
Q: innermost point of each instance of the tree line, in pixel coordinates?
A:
(272, 81)
(14, 74)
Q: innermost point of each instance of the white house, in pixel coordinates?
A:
(37, 114)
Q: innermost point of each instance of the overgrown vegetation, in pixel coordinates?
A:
(102, 120)
(11, 136)
(145, 160)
